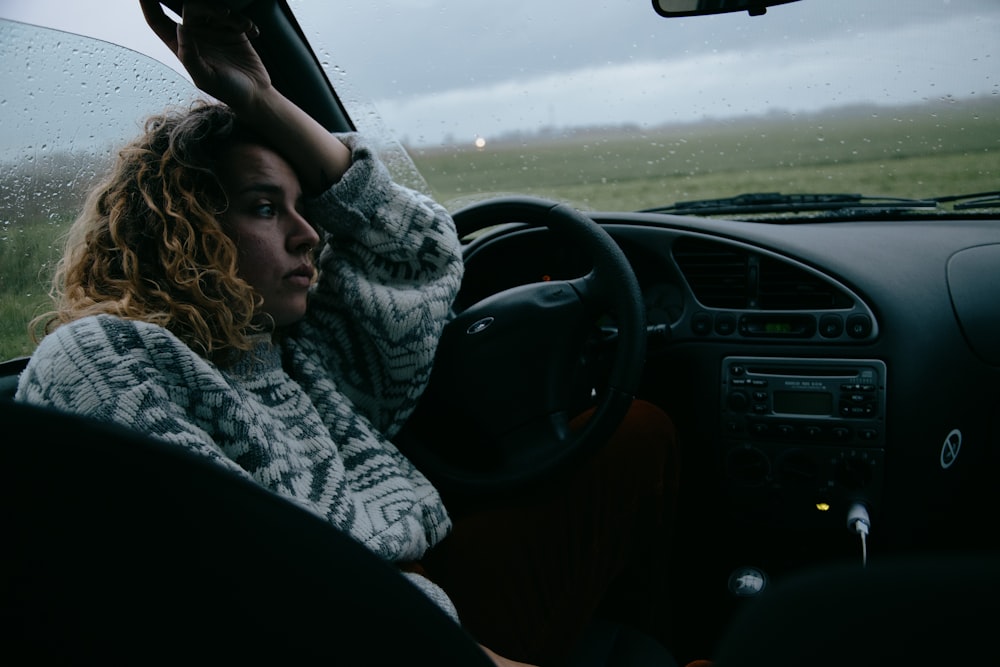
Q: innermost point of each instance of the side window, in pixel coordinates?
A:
(67, 104)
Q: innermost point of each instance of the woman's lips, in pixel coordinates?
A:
(301, 276)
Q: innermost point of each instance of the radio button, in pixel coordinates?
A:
(738, 401)
(866, 388)
(856, 410)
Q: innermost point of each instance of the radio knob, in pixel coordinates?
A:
(738, 401)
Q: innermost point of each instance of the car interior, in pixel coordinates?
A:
(835, 384)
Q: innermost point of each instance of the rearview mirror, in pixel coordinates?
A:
(702, 7)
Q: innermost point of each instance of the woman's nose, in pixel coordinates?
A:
(303, 233)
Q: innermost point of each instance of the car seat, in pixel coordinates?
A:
(901, 609)
(10, 370)
(120, 548)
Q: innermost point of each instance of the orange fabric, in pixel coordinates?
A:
(527, 577)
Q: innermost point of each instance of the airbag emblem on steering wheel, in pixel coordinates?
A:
(480, 325)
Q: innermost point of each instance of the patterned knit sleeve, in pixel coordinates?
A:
(389, 272)
(133, 374)
(435, 593)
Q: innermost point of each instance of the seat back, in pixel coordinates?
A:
(920, 609)
(119, 548)
(9, 372)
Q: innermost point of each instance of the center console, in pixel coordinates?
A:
(801, 441)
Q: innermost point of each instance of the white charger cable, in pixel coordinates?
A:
(859, 522)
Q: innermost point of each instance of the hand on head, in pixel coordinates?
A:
(213, 44)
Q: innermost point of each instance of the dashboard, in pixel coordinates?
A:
(806, 367)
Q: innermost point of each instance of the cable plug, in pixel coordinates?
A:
(857, 519)
(859, 522)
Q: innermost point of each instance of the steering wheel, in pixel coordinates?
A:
(507, 378)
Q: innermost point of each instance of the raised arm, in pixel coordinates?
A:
(214, 45)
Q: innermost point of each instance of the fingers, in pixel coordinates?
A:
(200, 14)
(216, 17)
(164, 26)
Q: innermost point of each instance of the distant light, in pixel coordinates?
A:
(823, 507)
(480, 143)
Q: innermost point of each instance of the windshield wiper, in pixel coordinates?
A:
(989, 199)
(775, 202)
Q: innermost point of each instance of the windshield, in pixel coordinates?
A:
(606, 106)
(611, 107)
(614, 108)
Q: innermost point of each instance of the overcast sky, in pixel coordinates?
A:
(474, 81)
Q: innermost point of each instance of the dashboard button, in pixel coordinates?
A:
(859, 326)
(738, 401)
(701, 323)
(831, 326)
(725, 324)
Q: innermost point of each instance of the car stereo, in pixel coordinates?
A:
(829, 401)
(802, 444)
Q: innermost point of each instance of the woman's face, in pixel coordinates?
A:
(264, 219)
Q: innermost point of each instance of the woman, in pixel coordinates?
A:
(189, 304)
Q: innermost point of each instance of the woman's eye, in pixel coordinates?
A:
(266, 210)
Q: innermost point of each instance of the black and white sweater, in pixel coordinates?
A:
(309, 417)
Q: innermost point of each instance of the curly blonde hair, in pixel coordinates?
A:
(150, 243)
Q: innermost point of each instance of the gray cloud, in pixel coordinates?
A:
(525, 64)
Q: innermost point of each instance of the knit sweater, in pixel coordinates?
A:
(309, 416)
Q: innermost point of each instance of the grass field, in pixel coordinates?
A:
(925, 151)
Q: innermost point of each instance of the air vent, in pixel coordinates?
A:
(725, 276)
(784, 286)
(718, 275)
